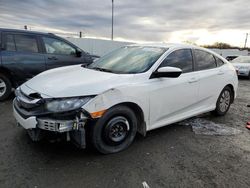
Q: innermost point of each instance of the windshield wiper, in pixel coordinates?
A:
(102, 69)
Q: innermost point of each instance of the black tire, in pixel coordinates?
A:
(6, 90)
(249, 75)
(221, 109)
(107, 138)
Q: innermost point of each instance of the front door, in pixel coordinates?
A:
(173, 99)
(59, 53)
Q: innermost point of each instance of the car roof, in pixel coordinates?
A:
(24, 31)
(173, 46)
(167, 45)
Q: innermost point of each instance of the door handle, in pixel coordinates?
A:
(52, 58)
(220, 72)
(193, 79)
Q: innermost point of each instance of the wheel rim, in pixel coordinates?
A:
(225, 101)
(117, 129)
(2, 87)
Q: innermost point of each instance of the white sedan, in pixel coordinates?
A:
(132, 89)
(242, 65)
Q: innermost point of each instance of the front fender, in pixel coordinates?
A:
(112, 97)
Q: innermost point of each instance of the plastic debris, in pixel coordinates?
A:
(145, 185)
(206, 127)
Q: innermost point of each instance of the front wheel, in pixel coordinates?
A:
(223, 102)
(115, 131)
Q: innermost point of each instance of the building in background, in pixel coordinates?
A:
(97, 46)
(100, 47)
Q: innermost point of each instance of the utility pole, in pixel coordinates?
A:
(246, 40)
(112, 29)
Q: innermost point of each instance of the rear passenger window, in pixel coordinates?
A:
(26, 43)
(10, 43)
(204, 60)
(219, 62)
(181, 59)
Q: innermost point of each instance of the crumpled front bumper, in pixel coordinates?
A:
(74, 128)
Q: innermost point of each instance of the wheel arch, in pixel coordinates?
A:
(7, 73)
(233, 91)
(141, 128)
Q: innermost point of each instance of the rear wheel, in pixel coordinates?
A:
(224, 101)
(5, 87)
(249, 75)
(115, 131)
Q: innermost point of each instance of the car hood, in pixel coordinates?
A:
(241, 65)
(74, 81)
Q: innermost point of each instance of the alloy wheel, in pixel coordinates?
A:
(225, 101)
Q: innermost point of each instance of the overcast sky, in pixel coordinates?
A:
(202, 22)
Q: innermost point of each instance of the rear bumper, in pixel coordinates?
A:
(243, 72)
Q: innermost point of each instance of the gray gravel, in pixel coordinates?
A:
(172, 156)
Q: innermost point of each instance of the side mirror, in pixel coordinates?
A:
(78, 53)
(168, 72)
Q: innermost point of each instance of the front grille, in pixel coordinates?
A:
(55, 125)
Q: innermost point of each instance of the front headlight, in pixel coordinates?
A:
(66, 104)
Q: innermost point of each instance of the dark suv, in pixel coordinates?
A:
(24, 54)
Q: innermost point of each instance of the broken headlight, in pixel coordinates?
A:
(66, 104)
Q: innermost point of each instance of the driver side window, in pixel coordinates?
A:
(182, 59)
(55, 46)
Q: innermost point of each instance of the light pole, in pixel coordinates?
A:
(246, 40)
(112, 30)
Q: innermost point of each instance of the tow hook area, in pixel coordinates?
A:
(78, 134)
(72, 130)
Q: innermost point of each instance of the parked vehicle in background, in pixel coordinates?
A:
(24, 54)
(132, 89)
(242, 65)
(231, 57)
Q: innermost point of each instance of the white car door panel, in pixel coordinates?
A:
(211, 79)
(172, 98)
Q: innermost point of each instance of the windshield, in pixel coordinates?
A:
(128, 60)
(241, 59)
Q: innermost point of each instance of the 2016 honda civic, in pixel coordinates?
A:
(133, 89)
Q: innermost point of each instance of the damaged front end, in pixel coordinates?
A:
(61, 118)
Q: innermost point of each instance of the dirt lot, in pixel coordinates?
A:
(173, 156)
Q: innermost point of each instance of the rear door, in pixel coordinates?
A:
(211, 78)
(59, 53)
(21, 54)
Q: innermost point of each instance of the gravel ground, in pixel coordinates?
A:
(173, 156)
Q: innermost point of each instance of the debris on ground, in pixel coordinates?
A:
(145, 185)
(248, 125)
(206, 127)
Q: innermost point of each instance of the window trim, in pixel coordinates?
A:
(193, 64)
(220, 60)
(195, 60)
